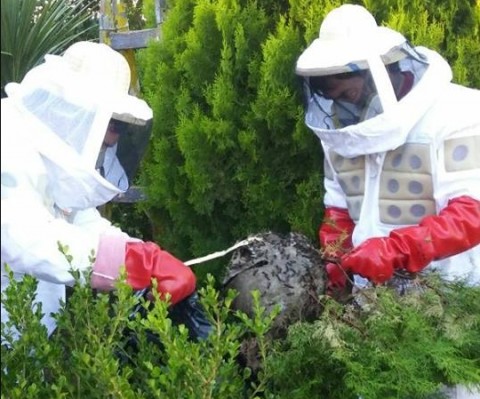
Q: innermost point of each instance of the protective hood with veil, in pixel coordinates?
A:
(67, 103)
(352, 44)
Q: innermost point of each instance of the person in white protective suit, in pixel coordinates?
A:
(401, 145)
(53, 125)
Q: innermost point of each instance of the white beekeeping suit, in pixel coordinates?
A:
(401, 145)
(53, 126)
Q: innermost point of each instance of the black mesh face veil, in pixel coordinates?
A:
(118, 126)
(319, 84)
(122, 151)
(132, 145)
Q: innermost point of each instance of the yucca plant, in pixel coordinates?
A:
(32, 28)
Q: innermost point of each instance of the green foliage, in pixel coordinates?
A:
(130, 218)
(148, 12)
(390, 347)
(451, 27)
(205, 369)
(135, 14)
(21, 367)
(102, 349)
(32, 28)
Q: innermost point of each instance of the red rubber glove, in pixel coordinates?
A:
(146, 260)
(335, 236)
(454, 230)
(335, 233)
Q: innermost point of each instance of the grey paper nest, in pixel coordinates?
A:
(286, 270)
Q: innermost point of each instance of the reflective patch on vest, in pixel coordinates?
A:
(462, 153)
(351, 177)
(406, 185)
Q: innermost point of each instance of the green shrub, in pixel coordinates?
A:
(391, 347)
(230, 154)
(100, 350)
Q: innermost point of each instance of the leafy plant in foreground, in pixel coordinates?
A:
(390, 346)
(102, 349)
